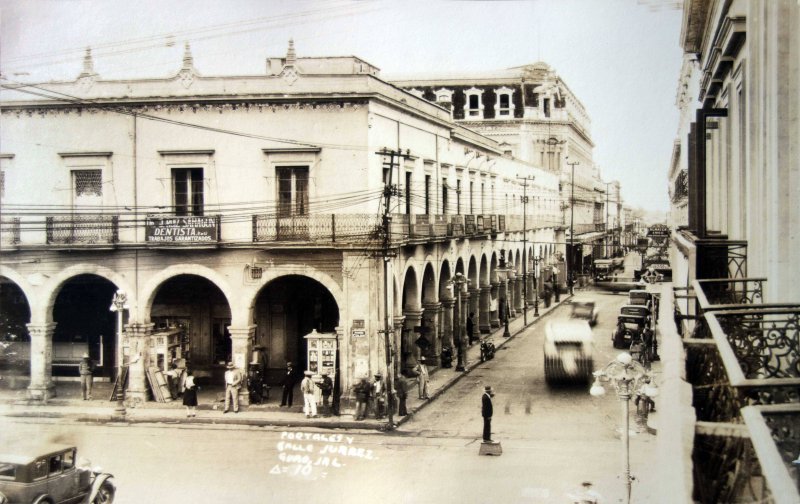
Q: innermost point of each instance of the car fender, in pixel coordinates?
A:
(42, 499)
(98, 482)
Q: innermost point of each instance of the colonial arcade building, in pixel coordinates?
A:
(242, 211)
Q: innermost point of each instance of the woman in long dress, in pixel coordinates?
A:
(190, 395)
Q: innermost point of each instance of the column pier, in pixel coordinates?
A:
(41, 386)
(241, 348)
(484, 324)
(430, 321)
(138, 337)
(494, 305)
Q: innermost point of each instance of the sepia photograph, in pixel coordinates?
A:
(400, 252)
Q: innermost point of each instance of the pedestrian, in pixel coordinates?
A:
(379, 395)
(470, 328)
(190, 394)
(233, 382)
(289, 379)
(401, 387)
(173, 379)
(422, 373)
(85, 369)
(326, 386)
(307, 389)
(486, 412)
(362, 397)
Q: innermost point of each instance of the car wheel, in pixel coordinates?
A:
(106, 494)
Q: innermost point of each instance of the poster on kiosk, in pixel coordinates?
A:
(321, 358)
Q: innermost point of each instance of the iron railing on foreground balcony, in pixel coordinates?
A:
(9, 231)
(775, 432)
(320, 228)
(723, 294)
(82, 229)
(752, 359)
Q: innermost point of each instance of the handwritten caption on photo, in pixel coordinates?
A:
(314, 455)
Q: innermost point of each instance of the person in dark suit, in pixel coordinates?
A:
(470, 328)
(289, 381)
(486, 412)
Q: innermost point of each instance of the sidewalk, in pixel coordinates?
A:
(69, 405)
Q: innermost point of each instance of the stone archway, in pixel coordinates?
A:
(412, 311)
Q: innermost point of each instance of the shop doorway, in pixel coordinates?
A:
(15, 341)
(287, 309)
(84, 324)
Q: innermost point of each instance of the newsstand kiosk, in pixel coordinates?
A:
(321, 357)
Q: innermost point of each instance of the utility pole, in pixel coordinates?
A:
(606, 232)
(571, 257)
(525, 250)
(388, 334)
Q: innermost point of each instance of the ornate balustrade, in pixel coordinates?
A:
(775, 433)
(82, 229)
(319, 229)
(9, 231)
(723, 294)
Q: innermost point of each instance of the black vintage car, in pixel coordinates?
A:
(50, 473)
(631, 321)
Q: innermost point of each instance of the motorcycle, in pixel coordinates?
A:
(487, 349)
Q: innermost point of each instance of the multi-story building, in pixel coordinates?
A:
(533, 115)
(732, 348)
(242, 211)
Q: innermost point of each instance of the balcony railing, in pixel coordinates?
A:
(723, 294)
(318, 229)
(82, 229)
(751, 360)
(9, 231)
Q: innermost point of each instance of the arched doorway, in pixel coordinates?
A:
(198, 307)
(412, 311)
(287, 309)
(84, 324)
(15, 342)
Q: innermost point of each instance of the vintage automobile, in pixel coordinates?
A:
(585, 310)
(568, 351)
(50, 474)
(631, 320)
(640, 297)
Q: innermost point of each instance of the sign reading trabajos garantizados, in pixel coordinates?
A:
(189, 229)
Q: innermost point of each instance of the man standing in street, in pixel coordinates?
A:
(233, 382)
(422, 384)
(85, 369)
(379, 395)
(487, 411)
(309, 401)
(326, 386)
(288, 385)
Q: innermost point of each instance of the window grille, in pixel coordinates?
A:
(88, 182)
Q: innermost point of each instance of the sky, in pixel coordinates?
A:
(621, 58)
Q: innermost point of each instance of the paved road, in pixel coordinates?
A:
(552, 441)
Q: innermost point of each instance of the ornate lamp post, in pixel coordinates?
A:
(502, 273)
(627, 376)
(118, 305)
(458, 284)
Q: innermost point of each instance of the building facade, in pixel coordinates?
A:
(235, 212)
(734, 384)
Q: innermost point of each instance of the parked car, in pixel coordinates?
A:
(631, 321)
(50, 474)
(640, 297)
(568, 351)
(585, 310)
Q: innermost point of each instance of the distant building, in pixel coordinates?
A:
(242, 210)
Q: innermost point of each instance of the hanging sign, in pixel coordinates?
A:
(187, 229)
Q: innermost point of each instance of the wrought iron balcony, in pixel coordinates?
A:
(321, 229)
(9, 231)
(750, 360)
(82, 229)
(723, 294)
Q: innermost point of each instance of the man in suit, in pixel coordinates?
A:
(233, 382)
(85, 369)
(486, 412)
(289, 380)
(470, 328)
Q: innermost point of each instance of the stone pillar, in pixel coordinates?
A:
(138, 340)
(485, 312)
(446, 323)
(241, 348)
(399, 358)
(519, 299)
(512, 295)
(531, 291)
(494, 311)
(430, 320)
(41, 387)
(473, 305)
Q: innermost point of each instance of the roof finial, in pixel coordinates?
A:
(188, 61)
(88, 63)
(291, 57)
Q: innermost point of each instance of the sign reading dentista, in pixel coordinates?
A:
(188, 229)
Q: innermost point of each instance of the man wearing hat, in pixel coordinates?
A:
(309, 401)
(422, 383)
(379, 395)
(233, 382)
(289, 379)
(486, 412)
(326, 386)
(85, 369)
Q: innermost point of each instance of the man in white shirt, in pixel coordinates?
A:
(233, 382)
(309, 401)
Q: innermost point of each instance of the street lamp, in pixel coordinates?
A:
(628, 376)
(458, 283)
(502, 272)
(118, 305)
(536, 286)
(571, 258)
